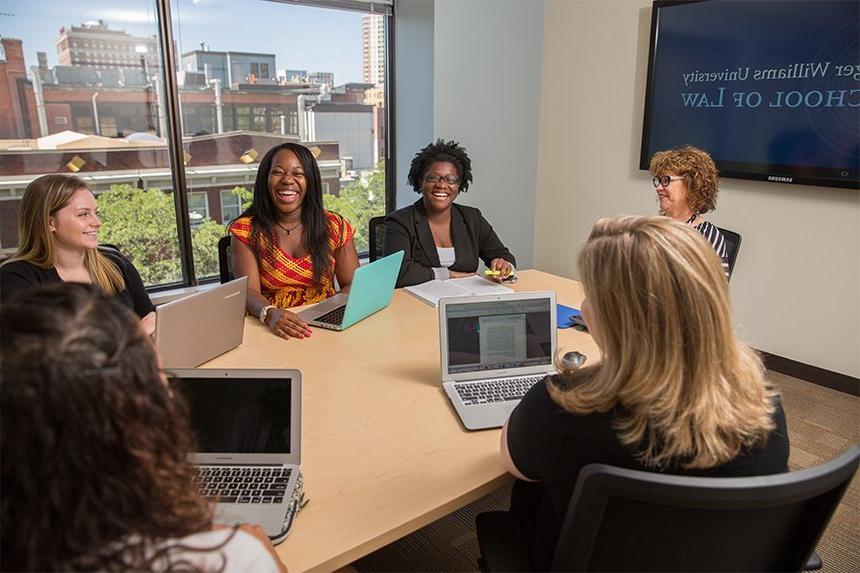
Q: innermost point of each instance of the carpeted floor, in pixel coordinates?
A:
(822, 423)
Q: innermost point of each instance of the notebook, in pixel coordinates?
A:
(199, 327)
(247, 426)
(432, 291)
(493, 349)
(371, 290)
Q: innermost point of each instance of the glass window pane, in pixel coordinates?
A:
(242, 94)
(96, 112)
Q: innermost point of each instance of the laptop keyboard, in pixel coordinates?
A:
(495, 390)
(333, 316)
(231, 484)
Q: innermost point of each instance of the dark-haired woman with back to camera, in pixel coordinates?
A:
(290, 248)
(58, 226)
(94, 440)
(442, 239)
(675, 390)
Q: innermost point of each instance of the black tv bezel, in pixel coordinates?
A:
(786, 174)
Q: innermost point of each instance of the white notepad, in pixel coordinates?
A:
(431, 291)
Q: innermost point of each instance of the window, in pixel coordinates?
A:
(231, 205)
(198, 208)
(134, 180)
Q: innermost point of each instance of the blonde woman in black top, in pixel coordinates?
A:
(58, 226)
(675, 391)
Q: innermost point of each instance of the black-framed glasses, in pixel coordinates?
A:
(665, 180)
(449, 179)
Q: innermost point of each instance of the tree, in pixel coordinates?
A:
(360, 201)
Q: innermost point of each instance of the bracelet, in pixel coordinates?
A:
(264, 313)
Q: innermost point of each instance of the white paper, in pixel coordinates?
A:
(502, 338)
(431, 291)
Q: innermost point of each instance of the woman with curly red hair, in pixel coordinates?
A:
(687, 184)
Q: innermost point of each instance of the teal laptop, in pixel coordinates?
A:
(371, 290)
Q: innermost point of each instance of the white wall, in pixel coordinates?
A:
(413, 87)
(796, 286)
(487, 79)
(484, 92)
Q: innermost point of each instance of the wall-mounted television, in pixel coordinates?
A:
(770, 88)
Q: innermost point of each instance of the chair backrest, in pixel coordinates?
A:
(225, 259)
(628, 520)
(733, 246)
(375, 236)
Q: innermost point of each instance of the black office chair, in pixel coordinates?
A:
(375, 238)
(225, 260)
(628, 520)
(733, 246)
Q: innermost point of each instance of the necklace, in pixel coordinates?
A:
(296, 226)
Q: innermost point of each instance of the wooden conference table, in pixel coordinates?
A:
(383, 452)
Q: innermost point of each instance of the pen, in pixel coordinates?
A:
(491, 273)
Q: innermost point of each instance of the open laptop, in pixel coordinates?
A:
(371, 290)
(494, 348)
(247, 426)
(199, 327)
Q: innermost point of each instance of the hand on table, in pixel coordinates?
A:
(147, 323)
(287, 324)
(458, 274)
(504, 268)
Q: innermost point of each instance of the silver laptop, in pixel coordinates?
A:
(371, 290)
(494, 348)
(199, 327)
(247, 425)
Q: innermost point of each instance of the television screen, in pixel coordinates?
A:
(770, 88)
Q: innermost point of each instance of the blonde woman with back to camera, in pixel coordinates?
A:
(675, 391)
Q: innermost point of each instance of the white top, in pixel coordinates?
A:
(242, 553)
(446, 256)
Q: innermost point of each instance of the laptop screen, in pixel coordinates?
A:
(239, 415)
(500, 334)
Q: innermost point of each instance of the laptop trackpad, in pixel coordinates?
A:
(509, 405)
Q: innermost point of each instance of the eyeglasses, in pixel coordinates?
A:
(449, 179)
(664, 180)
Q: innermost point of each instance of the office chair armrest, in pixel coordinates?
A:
(502, 543)
(814, 563)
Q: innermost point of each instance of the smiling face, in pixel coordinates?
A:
(672, 199)
(75, 226)
(440, 195)
(287, 183)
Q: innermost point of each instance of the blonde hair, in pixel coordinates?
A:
(699, 173)
(688, 391)
(42, 199)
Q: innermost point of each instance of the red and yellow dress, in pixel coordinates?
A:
(286, 281)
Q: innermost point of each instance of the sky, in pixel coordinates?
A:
(312, 39)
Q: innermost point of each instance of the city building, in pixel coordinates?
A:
(318, 78)
(232, 68)
(94, 45)
(373, 48)
(215, 165)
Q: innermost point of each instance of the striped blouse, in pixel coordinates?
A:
(286, 281)
(716, 239)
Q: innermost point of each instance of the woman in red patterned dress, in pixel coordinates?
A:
(290, 248)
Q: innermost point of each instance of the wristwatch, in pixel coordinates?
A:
(264, 313)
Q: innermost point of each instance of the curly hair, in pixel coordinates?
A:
(264, 213)
(451, 152)
(94, 442)
(699, 173)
